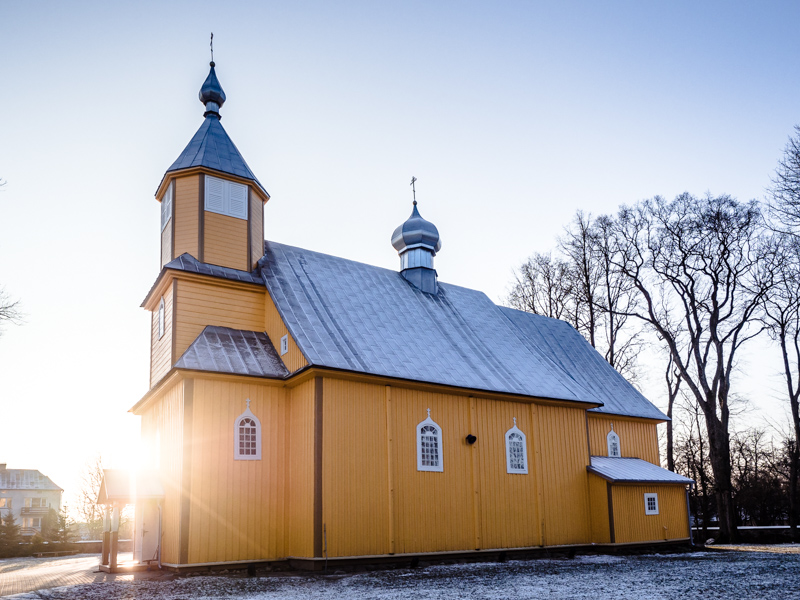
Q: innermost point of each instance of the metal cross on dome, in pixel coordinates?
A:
(212, 46)
(414, 189)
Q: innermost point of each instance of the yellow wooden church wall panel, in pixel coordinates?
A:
(564, 457)
(187, 215)
(162, 434)
(598, 503)
(201, 304)
(275, 328)
(225, 241)
(355, 492)
(508, 501)
(237, 506)
(161, 349)
(256, 229)
(638, 438)
(631, 524)
(433, 511)
(300, 471)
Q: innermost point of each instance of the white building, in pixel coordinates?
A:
(29, 496)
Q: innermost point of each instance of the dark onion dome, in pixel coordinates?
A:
(416, 232)
(211, 94)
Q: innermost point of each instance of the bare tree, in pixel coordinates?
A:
(698, 265)
(578, 246)
(86, 502)
(9, 310)
(781, 315)
(544, 287)
(785, 190)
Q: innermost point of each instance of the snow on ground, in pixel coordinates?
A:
(707, 575)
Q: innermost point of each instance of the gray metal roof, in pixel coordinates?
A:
(632, 470)
(212, 148)
(25, 479)
(570, 350)
(352, 316)
(224, 350)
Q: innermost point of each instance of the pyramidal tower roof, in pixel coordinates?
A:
(211, 147)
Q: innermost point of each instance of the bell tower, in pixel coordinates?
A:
(212, 205)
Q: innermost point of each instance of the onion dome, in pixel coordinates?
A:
(211, 94)
(416, 232)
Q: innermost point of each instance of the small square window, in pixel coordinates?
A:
(651, 504)
(284, 345)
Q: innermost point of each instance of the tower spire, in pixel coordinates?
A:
(212, 94)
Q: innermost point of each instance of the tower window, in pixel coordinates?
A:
(651, 504)
(166, 207)
(284, 344)
(226, 197)
(516, 451)
(429, 446)
(161, 316)
(247, 436)
(612, 439)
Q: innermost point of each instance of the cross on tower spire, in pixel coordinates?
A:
(414, 189)
(212, 48)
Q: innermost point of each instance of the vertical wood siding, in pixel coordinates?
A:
(187, 199)
(355, 493)
(166, 417)
(237, 506)
(564, 458)
(632, 525)
(275, 328)
(598, 501)
(508, 501)
(256, 228)
(201, 304)
(161, 349)
(299, 465)
(225, 241)
(638, 438)
(433, 511)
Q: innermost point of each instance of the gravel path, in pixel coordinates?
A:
(709, 575)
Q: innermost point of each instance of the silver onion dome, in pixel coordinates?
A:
(212, 94)
(416, 232)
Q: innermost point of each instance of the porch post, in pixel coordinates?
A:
(106, 535)
(114, 535)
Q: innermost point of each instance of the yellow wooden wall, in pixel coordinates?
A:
(275, 328)
(161, 349)
(561, 439)
(355, 487)
(508, 504)
(598, 504)
(299, 468)
(225, 241)
(631, 524)
(201, 304)
(638, 438)
(187, 215)
(256, 214)
(165, 416)
(237, 506)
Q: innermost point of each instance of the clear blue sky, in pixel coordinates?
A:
(513, 115)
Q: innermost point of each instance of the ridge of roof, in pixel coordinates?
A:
(632, 470)
(212, 147)
(26, 479)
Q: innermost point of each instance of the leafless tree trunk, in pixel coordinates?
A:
(673, 378)
(697, 266)
(86, 503)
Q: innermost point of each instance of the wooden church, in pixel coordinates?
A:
(303, 406)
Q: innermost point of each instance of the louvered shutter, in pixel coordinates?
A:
(215, 195)
(166, 207)
(237, 205)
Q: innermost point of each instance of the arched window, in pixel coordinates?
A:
(612, 439)
(161, 319)
(247, 436)
(516, 451)
(429, 446)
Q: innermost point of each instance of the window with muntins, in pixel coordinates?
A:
(166, 207)
(612, 439)
(651, 504)
(516, 451)
(161, 316)
(429, 446)
(225, 197)
(247, 436)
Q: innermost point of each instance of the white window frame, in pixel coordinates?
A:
(166, 207)
(611, 439)
(284, 344)
(247, 414)
(516, 431)
(438, 435)
(647, 509)
(226, 197)
(161, 318)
